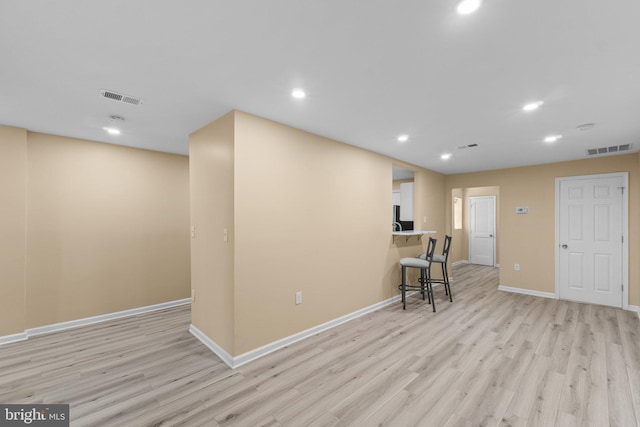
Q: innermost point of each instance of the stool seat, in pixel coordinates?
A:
(415, 262)
(439, 258)
(436, 257)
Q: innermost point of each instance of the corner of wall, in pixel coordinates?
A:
(211, 173)
(13, 188)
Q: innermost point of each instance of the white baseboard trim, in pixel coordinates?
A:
(56, 327)
(252, 355)
(636, 309)
(527, 292)
(211, 344)
(8, 339)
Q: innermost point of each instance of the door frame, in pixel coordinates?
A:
(625, 230)
(495, 225)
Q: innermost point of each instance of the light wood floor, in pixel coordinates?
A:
(489, 358)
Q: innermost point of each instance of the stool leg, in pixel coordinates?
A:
(426, 285)
(430, 290)
(404, 287)
(422, 282)
(445, 275)
(444, 278)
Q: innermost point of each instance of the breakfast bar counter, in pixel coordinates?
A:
(409, 233)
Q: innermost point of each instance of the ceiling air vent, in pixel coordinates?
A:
(115, 96)
(608, 150)
(462, 147)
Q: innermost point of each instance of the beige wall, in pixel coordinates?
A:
(310, 215)
(430, 199)
(212, 259)
(13, 167)
(107, 229)
(429, 204)
(529, 239)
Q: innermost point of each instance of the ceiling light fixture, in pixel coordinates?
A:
(552, 138)
(403, 138)
(532, 106)
(466, 7)
(115, 122)
(446, 156)
(298, 93)
(112, 131)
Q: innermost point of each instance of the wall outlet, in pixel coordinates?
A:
(424, 219)
(298, 298)
(516, 267)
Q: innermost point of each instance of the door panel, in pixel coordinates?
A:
(482, 223)
(601, 221)
(590, 240)
(575, 222)
(575, 270)
(602, 272)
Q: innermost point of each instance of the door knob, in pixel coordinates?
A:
(564, 246)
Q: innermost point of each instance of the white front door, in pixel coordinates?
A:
(482, 226)
(590, 237)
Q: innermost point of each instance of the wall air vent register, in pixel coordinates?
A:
(613, 149)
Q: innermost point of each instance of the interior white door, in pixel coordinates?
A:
(482, 230)
(590, 239)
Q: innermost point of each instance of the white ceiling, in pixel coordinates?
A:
(372, 70)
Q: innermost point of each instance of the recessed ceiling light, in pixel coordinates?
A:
(403, 138)
(446, 156)
(298, 93)
(112, 131)
(466, 7)
(532, 106)
(552, 138)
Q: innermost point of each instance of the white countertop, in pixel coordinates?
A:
(412, 232)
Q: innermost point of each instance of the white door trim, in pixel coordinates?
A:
(625, 230)
(495, 229)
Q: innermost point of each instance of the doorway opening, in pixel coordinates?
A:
(402, 205)
(468, 245)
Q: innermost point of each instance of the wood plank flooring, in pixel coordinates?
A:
(490, 358)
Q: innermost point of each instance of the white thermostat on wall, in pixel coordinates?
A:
(522, 210)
